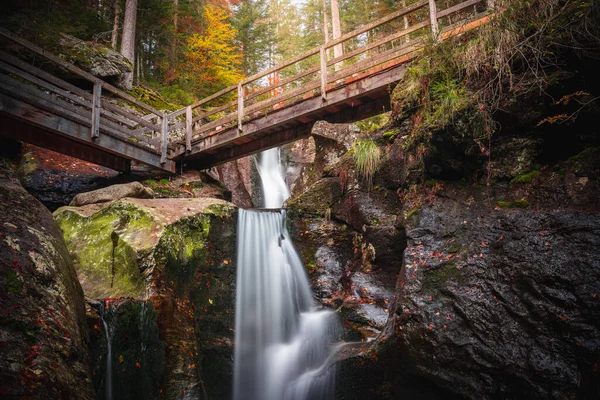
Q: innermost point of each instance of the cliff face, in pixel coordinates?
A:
(43, 334)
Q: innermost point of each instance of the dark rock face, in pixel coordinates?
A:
(138, 354)
(43, 334)
(501, 303)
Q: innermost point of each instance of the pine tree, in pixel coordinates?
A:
(255, 34)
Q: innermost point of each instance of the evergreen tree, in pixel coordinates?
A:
(255, 34)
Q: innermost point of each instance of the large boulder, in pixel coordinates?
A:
(178, 254)
(43, 334)
(111, 193)
(500, 302)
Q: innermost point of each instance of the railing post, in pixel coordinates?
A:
(164, 138)
(188, 128)
(323, 61)
(240, 107)
(434, 20)
(96, 109)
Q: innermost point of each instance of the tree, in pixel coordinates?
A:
(212, 59)
(255, 34)
(128, 40)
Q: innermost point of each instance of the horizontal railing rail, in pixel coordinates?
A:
(132, 121)
(316, 73)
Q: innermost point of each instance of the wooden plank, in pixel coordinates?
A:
(77, 131)
(456, 8)
(188, 128)
(96, 110)
(284, 82)
(76, 70)
(214, 96)
(110, 110)
(240, 107)
(25, 132)
(76, 94)
(323, 62)
(64, 109)
(386, 40)
(434, 19)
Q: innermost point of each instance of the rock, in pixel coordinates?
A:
(112, 193)
(235, 175)
(179, 254)
(138, 355)
(100, 61)
(43, 334)
(501, 303)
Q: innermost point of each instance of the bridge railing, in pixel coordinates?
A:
(30, 74)
(377, 46)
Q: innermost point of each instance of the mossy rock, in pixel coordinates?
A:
(523, 203)
(525, 178)
(114, 244)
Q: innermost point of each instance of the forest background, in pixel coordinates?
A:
(189, 49)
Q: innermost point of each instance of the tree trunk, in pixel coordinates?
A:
(338, 50)
(128, 40)
(116, 22)
(325, 21)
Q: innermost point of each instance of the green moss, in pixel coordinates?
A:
(526, 178)
(14, 285)
(182, 248)
(152, 98)
(523, 203)
(104, 248)
(454, 248)
(436, 279)
(389, 135)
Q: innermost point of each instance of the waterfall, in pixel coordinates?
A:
(282, 343)
(275, 190)
(108, 386)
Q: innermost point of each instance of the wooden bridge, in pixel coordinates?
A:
(109, 127)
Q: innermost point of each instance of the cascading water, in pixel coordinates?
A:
(282, 343)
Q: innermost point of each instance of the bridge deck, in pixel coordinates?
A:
(109, 127)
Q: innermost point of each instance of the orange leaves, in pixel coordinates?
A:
(121, 359)
(138, 365)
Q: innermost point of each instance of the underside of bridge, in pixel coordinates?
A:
(348, 103)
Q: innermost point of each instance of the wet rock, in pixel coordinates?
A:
(179, 255)
(501, 303)
(235, 175)
(138, 355)
(43, 334)
(112, 193)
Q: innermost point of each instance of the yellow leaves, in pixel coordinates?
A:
(213, 61)
(121, 359)
(210, 301)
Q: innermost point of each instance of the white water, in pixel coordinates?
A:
(275, 190)
(108, 388)
(281, 342)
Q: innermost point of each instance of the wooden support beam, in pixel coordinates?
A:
(96, 109)
(323, 61)
(434, 20)
(164, 139)
(240, 107)
(188, 128)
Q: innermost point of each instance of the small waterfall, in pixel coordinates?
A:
(281, 342)
(109, 385)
